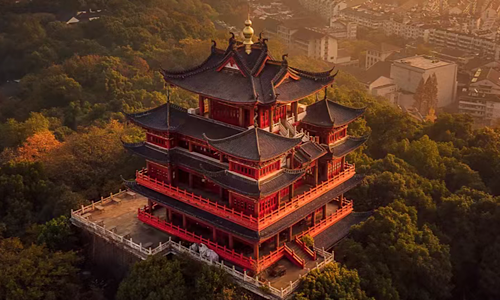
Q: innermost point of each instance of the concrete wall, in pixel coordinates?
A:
(407, 78)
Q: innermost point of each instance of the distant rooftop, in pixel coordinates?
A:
(423, 62)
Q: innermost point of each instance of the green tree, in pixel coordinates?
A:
(333, 282)
(396, 259)
(36, 273)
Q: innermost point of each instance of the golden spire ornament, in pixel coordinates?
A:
(248, 34)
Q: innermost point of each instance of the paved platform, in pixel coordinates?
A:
(122, 218)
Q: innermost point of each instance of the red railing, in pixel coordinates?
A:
(270, 259)
(294, 257)
(328, 221)
(182, 233)
(196, 200)
(308, 196)
(306, 249)
(248, 221)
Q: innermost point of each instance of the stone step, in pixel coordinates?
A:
(300, 252)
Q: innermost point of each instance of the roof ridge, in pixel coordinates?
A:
(257, 143)
(332, 119)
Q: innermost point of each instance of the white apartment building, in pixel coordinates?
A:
(379, 53)
(408, 72)
(364, 17)
(479, 43)
(305, 41)
(315, 45)
(486, 81)
(407, 30)
(327, 9)
(484, 109)
(342, 30)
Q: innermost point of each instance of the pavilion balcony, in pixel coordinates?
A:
(240, 218)
(222, 251)
(196, 200)
(327, 222)
(306, 197)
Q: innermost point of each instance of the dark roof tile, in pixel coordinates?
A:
(326, 113)
(255, 145)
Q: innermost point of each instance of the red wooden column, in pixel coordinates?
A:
(341, 200)
(210, 106)
(257, 209)
(271, 118)
(202, 105)
(295, 111)
(313, 216)
(290, 233)
(190, 180)
(277, 240)
(184, 221)
(169, 215)
(150, 206)
(251, 116)
(256, 250)
(316, 181)
(292, 191)
(324, 211)
(230, 200)
(241, 120)
(231, 242)
(190, 146)
(214, 234)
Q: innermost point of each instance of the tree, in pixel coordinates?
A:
(181, 278)
(420, 95)
(36, 273)
(37, 146)
(396, 259)
(333, 282)
(430, 94)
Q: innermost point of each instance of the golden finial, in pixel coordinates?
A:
(248, 34)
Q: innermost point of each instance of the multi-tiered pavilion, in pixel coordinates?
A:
(250, 171)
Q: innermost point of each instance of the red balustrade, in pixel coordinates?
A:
(273, 257)
(239, 217)
(182, 233)
(306, 249)
(294, 257)
(328, 221)
(196, 200)
(308, 196)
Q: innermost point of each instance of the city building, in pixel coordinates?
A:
(408, 72)
(304, 41)
(342, 30)
(407, 30)
(326, 9)
(379, 53)
(481, 42)
(247, 173)
(483, 108)
(364, 17)
(376, 80)
(486, 81)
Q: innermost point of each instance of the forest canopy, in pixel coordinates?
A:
(433, 188)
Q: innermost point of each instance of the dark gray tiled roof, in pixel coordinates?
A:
(184, 123)
(176, 157)
(309, 151)
(216, 172)
(335, 233)
(347, 145)
(248, 85)
(253, 188)
(255, 144)
(326, 113)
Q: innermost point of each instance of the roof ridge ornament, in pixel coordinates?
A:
(214, 45)
(248, 34)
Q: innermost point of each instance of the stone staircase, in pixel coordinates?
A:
(300, 252)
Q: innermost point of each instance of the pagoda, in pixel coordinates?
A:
(250, 171)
